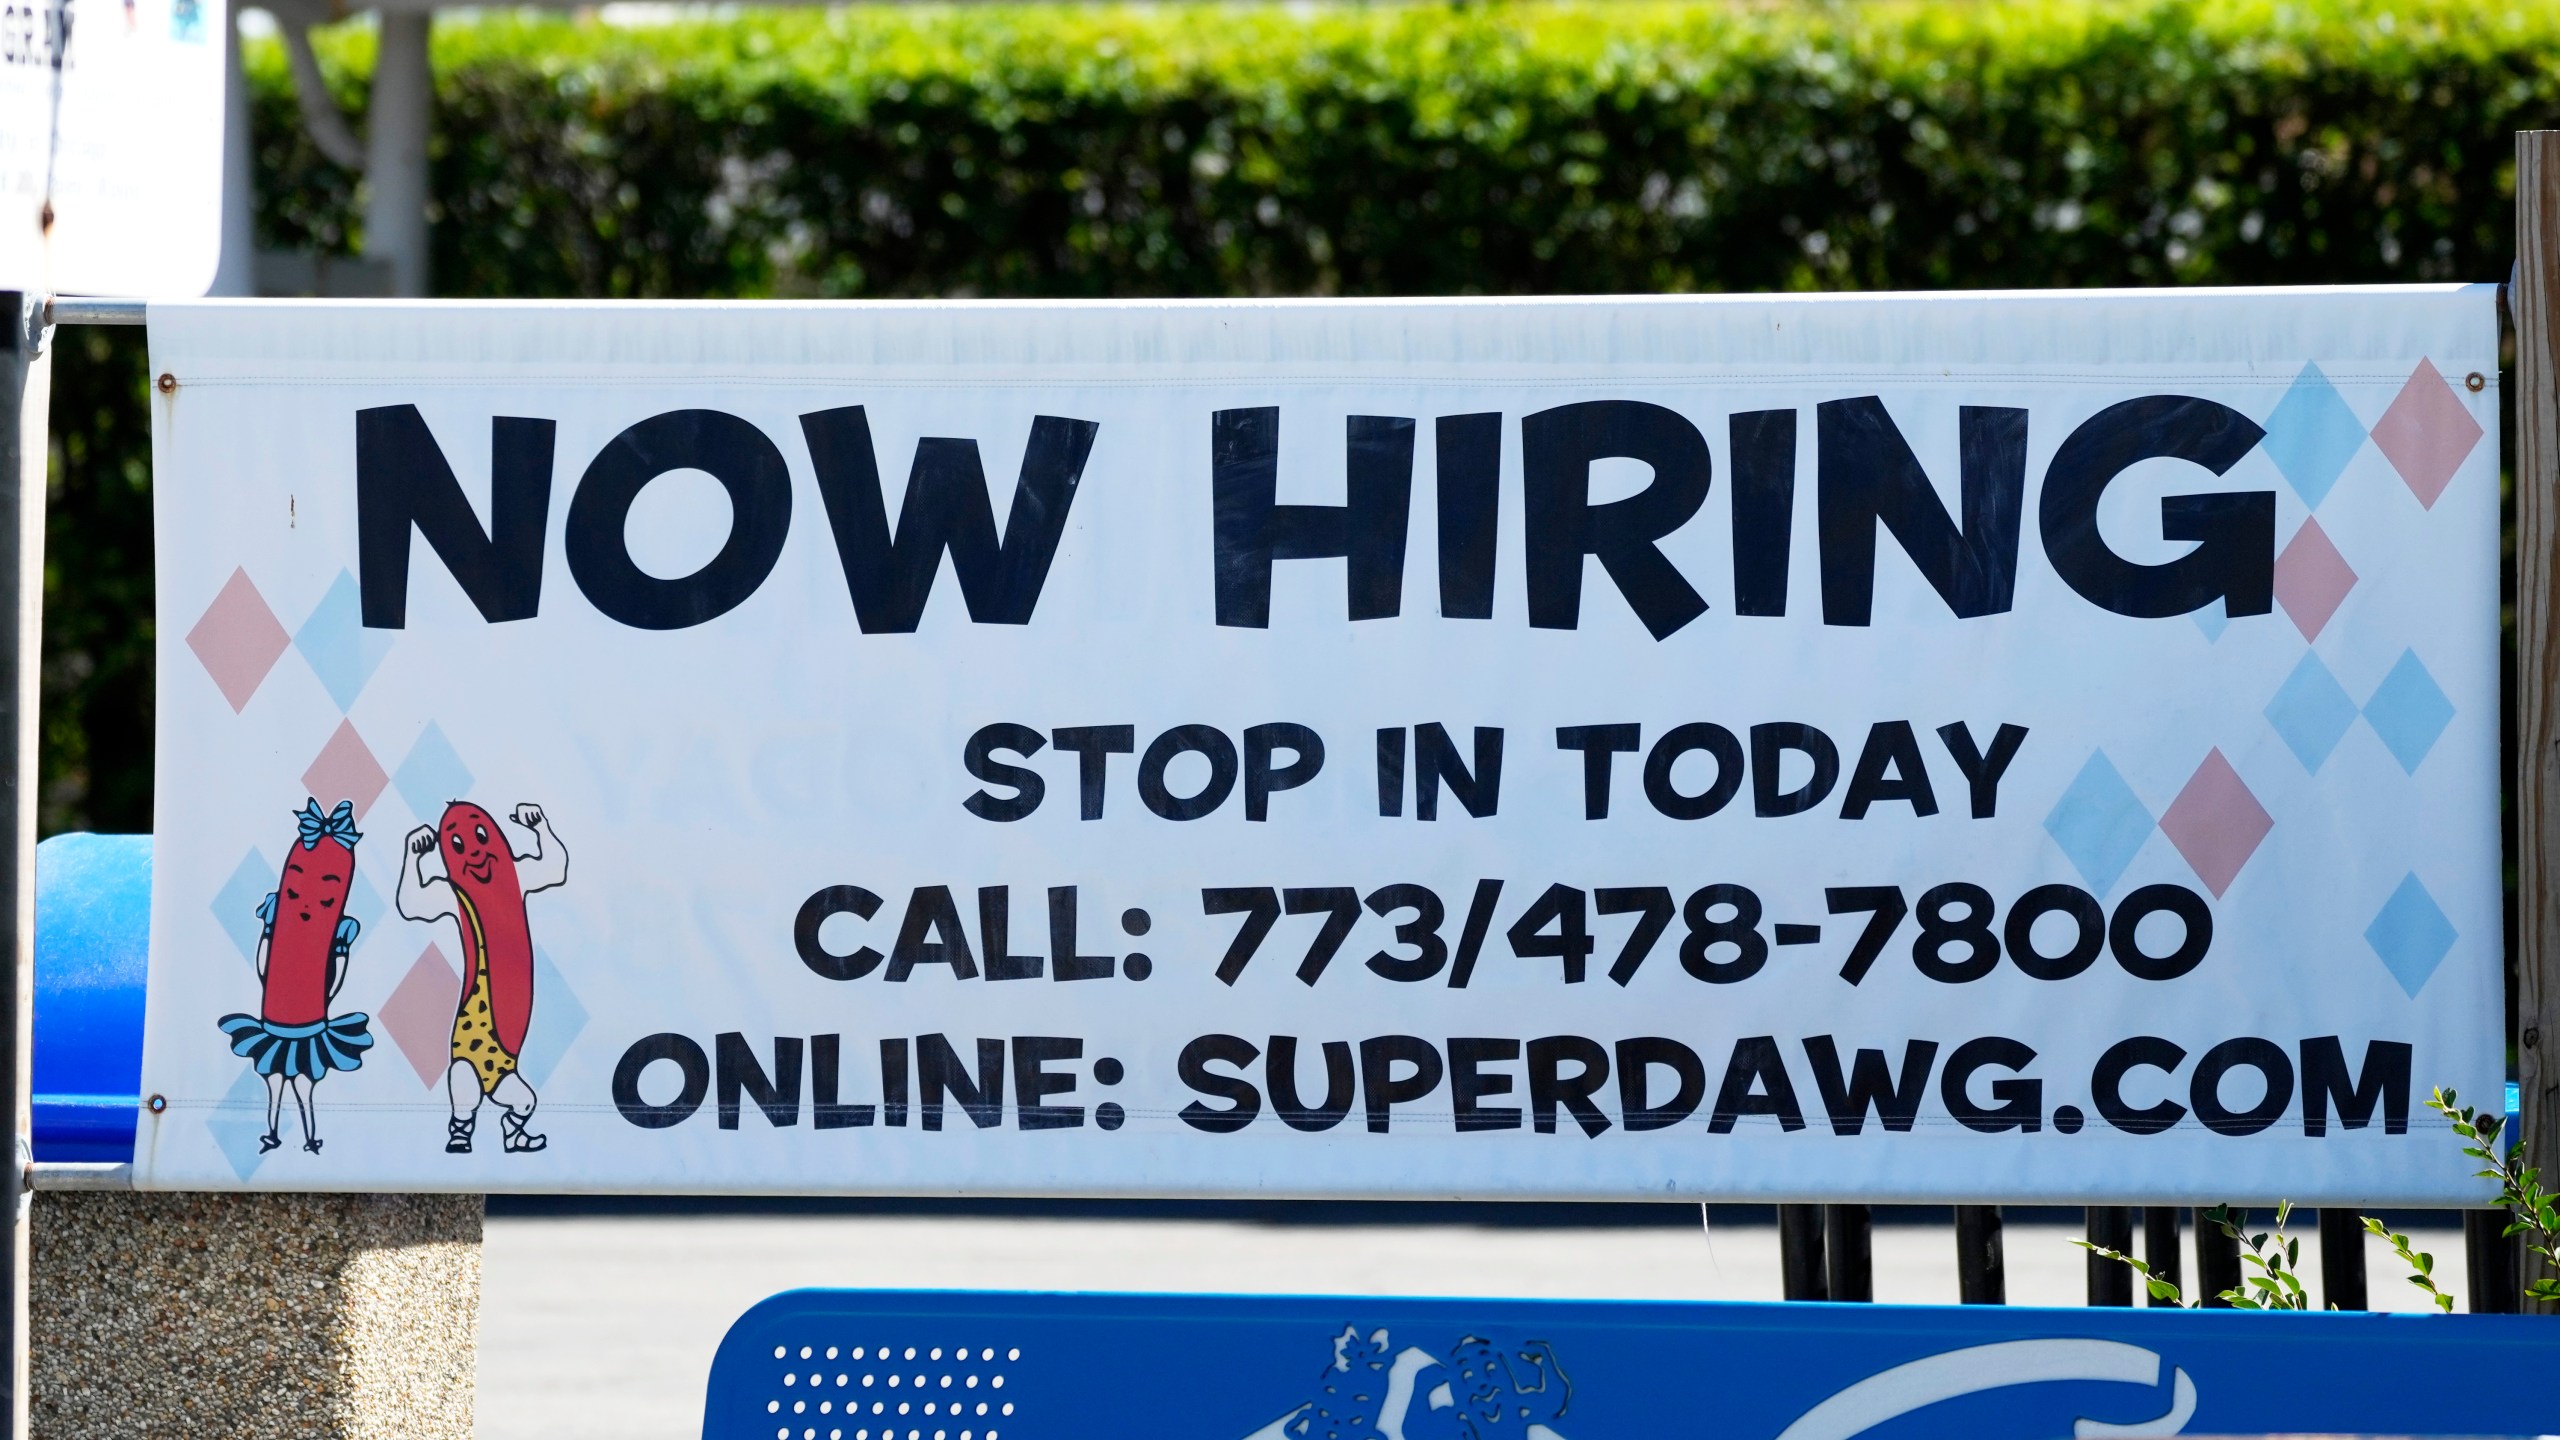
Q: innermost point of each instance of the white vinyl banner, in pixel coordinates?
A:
(2019, 747)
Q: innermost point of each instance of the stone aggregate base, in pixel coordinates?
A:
(265, 1315)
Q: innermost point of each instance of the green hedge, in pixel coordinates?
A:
(1499, 148)
(1416, 149)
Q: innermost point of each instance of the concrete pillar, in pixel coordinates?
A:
(339, 1317)
(237, 272)
(395, 166)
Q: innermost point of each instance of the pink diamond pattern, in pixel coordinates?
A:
(238, 639)
(419, 1014)
(2312, 579)
(2216, 823)
(2426, 434)
(345, 770)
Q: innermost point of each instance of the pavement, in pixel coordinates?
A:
(602, 1322)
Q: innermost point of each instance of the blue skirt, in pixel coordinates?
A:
(300, 1051)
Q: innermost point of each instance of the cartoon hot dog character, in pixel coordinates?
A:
(481, 888)
(293, 1041)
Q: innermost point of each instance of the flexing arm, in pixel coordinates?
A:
(548, 864)
(422, 896)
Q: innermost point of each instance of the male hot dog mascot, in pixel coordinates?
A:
(482, 887)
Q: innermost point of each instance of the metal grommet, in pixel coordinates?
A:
(168, 383)
(157, 1104)
(2475, 382)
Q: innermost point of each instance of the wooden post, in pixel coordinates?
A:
(2535, 303)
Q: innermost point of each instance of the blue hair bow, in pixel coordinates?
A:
(338, 824)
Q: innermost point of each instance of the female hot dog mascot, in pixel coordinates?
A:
(306, 933)
(482, 888)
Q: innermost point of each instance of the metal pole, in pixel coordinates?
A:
(2217, 1264)
(2110, 1228)
(2535, 303)
(1982, 1276)
(395, 212)
(2160, 1246)
(2342, 1260)
(2489, 1255)
(25, 377)
(1848, 1243)
(1800, 1253)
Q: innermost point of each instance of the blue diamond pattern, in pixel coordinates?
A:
(557, 1019)
(2212, 620)
(2409, 711)
(2411, 935)
(240, 1117)
(432, 775)
(2311, 712)
(2099, 823)
(235, 905)
(340, 650)
(2312, 435)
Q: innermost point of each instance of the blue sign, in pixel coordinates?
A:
(940, 1365)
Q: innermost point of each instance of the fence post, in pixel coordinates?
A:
(1981, 1262)
(2160, 1248)
(1800, 1253)
(2217, 1263)
(23, 395)
(2342, 1260)
(2533, 302)
(2110, 1228)
(1848, 1251)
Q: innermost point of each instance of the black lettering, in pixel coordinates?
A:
(2383, 1082)
(826, 1109)
(1636, 1059)
(730, 450)
(1469, 1084)
(1764, 507)
(1680, 740)
(1280, 1077)
(1866, 476)
(1208, 742)
(1243, 1101)
(995, 936)
(939, 1072)
(1391, 771)
(1870, 1082)
(403, 482)
(778, 1096)
(1380, 1089)
(946, 508)
(2106, 1084)
(1889, 768)
(1262, 779)
(1598, 744)
(1034, 1082)
(893, 1082)
(1367, 532)
(931, 911)
(1093, 745)
(1755, 1083)
(819, 908)
(1769, 746)
(1436, 763)
(1470, 458)
(1557, 448)
(2204, 1088)
(1065, 963)
(2020, 1102)
(979, 757)
(647, 1051)
(1983, 769)
(2235, 532)
(1550, 1087)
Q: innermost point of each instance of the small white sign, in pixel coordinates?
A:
(111, 119)
(2040, 748)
